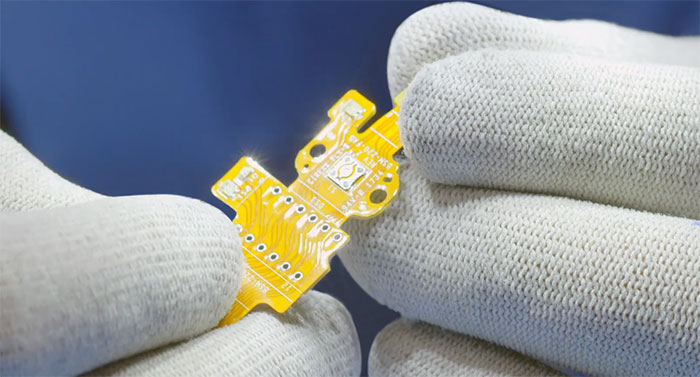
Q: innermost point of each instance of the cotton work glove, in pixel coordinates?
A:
(550, 204)
(87, 280)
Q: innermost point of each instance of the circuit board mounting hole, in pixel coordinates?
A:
(317, 150)
(377, 196)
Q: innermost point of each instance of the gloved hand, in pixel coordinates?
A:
(87, 280)
(549, 202)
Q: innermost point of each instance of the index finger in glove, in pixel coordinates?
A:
(619, 133)
(508, 102)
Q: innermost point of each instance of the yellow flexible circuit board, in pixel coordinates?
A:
(289, 234)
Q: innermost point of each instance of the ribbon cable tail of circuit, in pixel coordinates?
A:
(289, 234)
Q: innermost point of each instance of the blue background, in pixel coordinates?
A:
(151, 97)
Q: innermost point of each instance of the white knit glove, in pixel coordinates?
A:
(568, 129)
(87, 279)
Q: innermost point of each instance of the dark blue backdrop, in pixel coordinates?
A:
(152, 97)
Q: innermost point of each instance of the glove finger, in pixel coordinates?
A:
(315, 337)
(95, 282)
(618, 133)
(592, 288)
(28, 184)
(445, 30)
(409, 348)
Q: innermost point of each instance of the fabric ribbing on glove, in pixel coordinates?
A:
(28, 184)
(91, 283)
(610, 132)
(315, 337)
(444, 30)
(587, 287)
(409, 348)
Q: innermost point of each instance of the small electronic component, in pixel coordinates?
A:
(289, 234)
(346, 172)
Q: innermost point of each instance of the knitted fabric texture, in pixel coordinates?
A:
(94, 282)
(588, 287)
(27, 184)
(610, 132)
(445, 30)
(315, 337)
(407, 348)
(513, 103)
